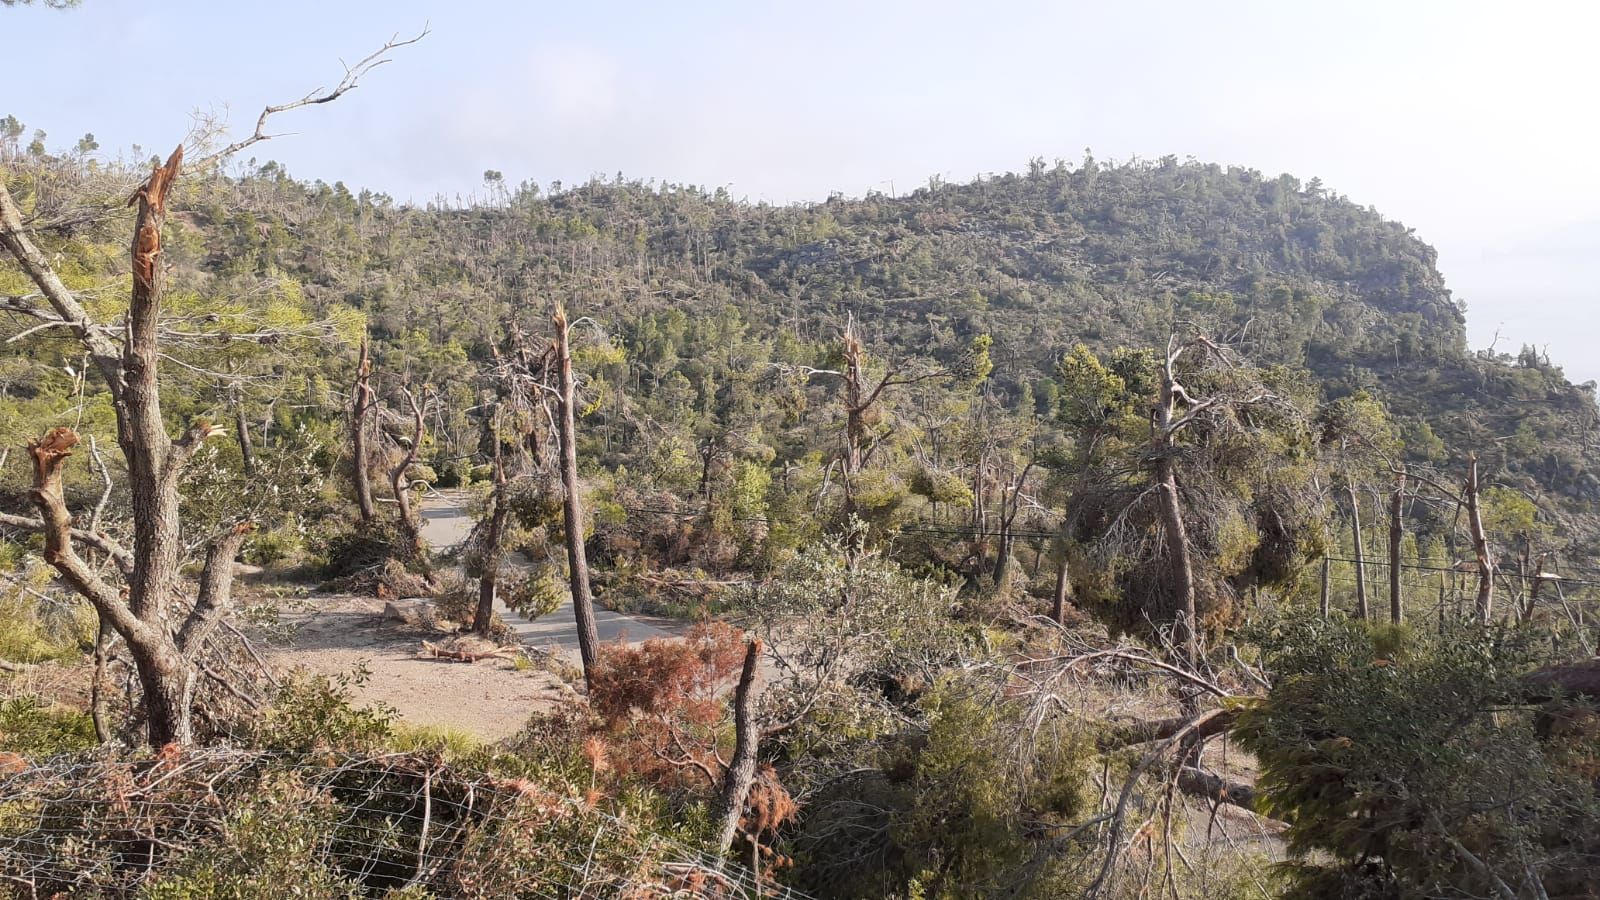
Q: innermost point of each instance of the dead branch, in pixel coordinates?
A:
(350, 81)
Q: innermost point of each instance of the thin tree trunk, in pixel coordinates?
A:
(247, 449)
(746, 744)
(1480, 544)
(1181, 566)
(572, 509)
(360, 405)
(1058, 609)
(1322, 600)
(410, 528)
(488, 582)
(1174, 533)
(97, 684)
(1360, 553)
(1396, 534)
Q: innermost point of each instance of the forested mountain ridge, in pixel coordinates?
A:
(1109, 255)
(982, 499)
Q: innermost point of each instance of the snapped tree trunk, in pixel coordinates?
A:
(145, 612)
(489, 580)
(1180, 562)
(1360, 553)
(746, 744)
(1058, 608)
(247, 447)
(572, 508)
(360, 405)
(1396, 534)
(1181, 567)
(1480, 544)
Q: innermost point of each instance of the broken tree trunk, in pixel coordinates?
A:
(1174, 534)
(1362, 610)
(361, 402)
(741, 771)
(1396, 535)
(1058, 607)
(146, 611)
(489, 580)
(572, 508)
(1480, 543)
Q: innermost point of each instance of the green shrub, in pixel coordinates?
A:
(278, 844)
(1404, 755)
(35, 729)
(317, 712)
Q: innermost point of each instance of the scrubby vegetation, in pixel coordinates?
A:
(1099, 530)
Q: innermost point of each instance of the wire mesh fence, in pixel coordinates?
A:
(1434, 591)
(248, 823)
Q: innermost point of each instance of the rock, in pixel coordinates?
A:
(409, 611)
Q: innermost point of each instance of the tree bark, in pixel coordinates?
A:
(1480, 544)
(489, 580)
(247, 448)
(1322, 596)
(1174, 533)
(1362, 609)
(360, 404)
(144, 613)
(1128, 734)
(1396, 534)
(572, 508)
(410, 529)
(1199, 783)
(97, 682)
(746, 744)
(1058, 608)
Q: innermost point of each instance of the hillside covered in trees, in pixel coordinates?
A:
(1009, 517)
(1109, 256)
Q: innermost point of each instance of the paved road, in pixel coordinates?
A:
(445, 524)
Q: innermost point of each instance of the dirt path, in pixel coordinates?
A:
(445, 524)
(336, 635)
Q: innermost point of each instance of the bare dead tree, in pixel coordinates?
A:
(1480, 541)
(862, 395)
(1469, 499)
(1396, 535)
(1011, 503)
(572, 508)
(1363, 611)
(155, 465)
(163, 638)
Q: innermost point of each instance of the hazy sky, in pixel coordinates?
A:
(1474, 123)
